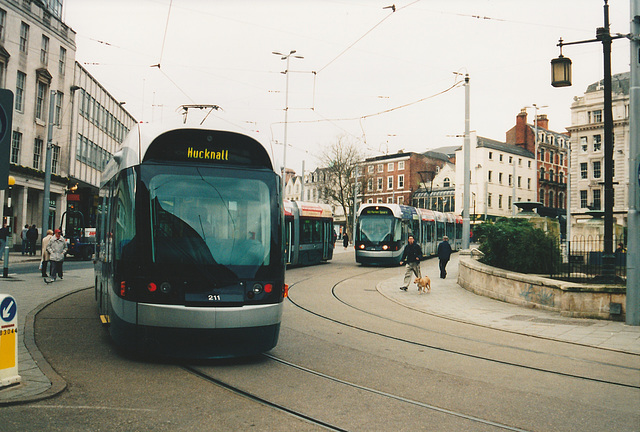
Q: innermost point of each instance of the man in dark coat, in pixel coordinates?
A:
(444, 253)
(412, 255)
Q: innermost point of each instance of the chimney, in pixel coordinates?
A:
(521, 127)
(543, 121)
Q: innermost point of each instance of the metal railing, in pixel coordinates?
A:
(581, 259)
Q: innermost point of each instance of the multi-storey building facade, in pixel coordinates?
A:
(587, 150)
(37, 52)
(551, 150)
(394, 178)
(495, 178)
(99, 124)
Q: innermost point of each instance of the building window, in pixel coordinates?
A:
(583, 199)
(500, 178)
(41, 95)
(58, 109)
(390, 166)
(584, 145)
(490, 155)
(499, 201)
(489, 176)
(370, 201)
(595, 116)
(584, 174)
(370, 184)
(510, 180)
(509, 198)
(552, 176)
(380, 168)
(389, 200)
(3, 23)
(37, 153)
(370, 169)
(400, 199)
(488, 200)
(62, 62)
(446, 182)
(401, 165)
(596, 169)
(16, 143)
(379, 183)
(55, 158)
(529, 183)
(500, 157)
(597, 143)
(528, 164)
(596, 199)
(510, 160)
(379, 200)
(24, 38)
(44, 50)
(21, 80)
(541, 173)
(401, 181)
(519, 181)
(541, 154)
(561, 200)
(551, 203)
(390, 182)
(541, 194)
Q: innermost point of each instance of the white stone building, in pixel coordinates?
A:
(492, 178)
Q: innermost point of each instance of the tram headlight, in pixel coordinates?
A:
(362, 246)
(385, 247)
(165, 287)
(257, 288)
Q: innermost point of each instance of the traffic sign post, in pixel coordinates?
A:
(8, 341)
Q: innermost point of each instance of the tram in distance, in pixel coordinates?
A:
(308, 233)
(382, 231)
(189, 256)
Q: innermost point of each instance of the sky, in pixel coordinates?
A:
(386, 79)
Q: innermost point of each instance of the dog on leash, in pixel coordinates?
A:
(424, 284)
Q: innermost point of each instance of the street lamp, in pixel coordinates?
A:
(286, 110)
(561, 77)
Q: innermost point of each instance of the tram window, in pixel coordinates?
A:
(124, 214)
(311, 231)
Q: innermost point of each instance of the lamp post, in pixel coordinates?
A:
(561, 77)
(286, 110)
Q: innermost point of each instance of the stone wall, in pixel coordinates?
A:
(568, 298)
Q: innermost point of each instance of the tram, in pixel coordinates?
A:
(382, 231)
(189, 258)
(308, 233)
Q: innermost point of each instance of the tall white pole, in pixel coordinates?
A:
(47, 171)
(466, 199)
(286, 122)
(633, 217)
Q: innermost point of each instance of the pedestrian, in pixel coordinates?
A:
(412, 254)
(46, 256)
(23, 237)
(345, 240)
(57, 247)
(444, 254)
(4, 233)
(32, 238)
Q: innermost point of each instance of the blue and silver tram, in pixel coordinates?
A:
(382, 231)
(308, 232)
(190, 255)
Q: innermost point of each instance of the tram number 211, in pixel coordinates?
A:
(214, 297)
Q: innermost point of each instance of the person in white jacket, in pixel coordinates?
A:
(57, 247)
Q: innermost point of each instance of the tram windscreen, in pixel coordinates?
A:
(209, 219)
(377, 229)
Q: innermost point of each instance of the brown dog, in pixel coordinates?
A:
(424, 284)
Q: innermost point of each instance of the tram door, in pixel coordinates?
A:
(327, 239)
(288, 240)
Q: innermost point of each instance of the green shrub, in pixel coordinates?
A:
(514, 244)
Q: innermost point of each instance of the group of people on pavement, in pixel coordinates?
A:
(412, 255)
(54, 248)
(29, 236)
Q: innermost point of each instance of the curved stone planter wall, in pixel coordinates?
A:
(570, 299)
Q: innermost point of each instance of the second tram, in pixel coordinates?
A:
(382, 231)
(309, 231)
(190, 255)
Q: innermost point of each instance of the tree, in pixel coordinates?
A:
(340, 160)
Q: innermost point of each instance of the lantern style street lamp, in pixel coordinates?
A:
(561, 77)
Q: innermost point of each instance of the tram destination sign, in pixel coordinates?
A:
(376, 211)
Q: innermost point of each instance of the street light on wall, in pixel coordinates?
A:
(561, 77)
(286, 110)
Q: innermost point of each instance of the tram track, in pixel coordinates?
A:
(458, 352)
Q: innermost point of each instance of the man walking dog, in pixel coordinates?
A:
(412, 254)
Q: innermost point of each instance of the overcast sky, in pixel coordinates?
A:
(384, 79)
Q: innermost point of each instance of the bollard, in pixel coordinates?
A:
(8, 341)
(5, 268)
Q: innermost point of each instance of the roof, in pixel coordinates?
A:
(507, 148)
(619, 84)
(435, 154)
(391, 156)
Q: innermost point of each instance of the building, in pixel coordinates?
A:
(551, 150)
(395, 178)
(99, 124)
(438, 191)
(495, 179)
(37, 54)
(587, 150)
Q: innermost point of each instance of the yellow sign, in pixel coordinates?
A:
(8, 348)
(207, 154)
(8, 341)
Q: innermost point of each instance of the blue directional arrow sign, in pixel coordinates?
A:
(8, 309)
